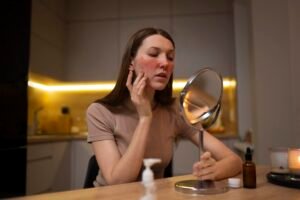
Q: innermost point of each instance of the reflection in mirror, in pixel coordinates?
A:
(200, 102)
(201, 98)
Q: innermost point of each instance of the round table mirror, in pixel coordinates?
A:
(200, 103)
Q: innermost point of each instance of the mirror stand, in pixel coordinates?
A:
(201, 186)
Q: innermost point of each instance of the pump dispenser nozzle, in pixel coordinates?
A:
(148, 177)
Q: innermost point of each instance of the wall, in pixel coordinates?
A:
(47, 42)
(98, 30)
(275, 63)
(243, 66)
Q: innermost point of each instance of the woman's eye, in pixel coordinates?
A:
(153, 54)
(171, 58)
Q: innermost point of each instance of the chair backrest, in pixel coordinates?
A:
(92, 172)
(93, 169)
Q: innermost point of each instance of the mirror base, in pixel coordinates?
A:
(196, 187)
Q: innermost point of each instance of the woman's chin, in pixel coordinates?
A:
(159, 86)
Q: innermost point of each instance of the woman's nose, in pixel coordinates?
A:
(163, 61)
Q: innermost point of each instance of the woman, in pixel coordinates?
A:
(140, 119)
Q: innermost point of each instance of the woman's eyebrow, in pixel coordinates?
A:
(158, 48)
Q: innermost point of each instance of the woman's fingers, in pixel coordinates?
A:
(141, 85)
(206, 167)
(129, 80)
(138, 93)
(205, 156)
(136, 88)
(138, 84)
(138, 78)
(204, 173)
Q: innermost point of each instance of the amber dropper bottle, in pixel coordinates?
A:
(249, 171)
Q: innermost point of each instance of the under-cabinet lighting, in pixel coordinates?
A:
(229, 83)
(102, 86)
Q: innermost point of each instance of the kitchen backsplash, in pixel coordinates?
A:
(63, 112)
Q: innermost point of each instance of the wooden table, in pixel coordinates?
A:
(166, 191)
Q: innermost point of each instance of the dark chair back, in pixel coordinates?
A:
(92, 172)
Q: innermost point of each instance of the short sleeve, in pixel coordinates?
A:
(100, 123)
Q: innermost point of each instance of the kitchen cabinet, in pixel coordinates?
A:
(48, 167)
(56, 163)
(39, 168)
(61, 166)
(81, 152)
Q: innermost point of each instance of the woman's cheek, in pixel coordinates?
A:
(170, 69)
(148, 66)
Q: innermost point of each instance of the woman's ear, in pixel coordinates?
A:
(131, 66)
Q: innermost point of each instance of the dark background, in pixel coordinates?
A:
(14, 61)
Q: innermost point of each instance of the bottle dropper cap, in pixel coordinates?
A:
(248, 155)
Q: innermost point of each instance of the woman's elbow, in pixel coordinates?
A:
(238, 164)
(115, 180)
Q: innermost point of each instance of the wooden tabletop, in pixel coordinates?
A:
(166, 191)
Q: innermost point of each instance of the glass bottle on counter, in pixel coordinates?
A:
(249, 170)
(65, 120)
(78, 125)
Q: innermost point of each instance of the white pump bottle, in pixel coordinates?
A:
(148, 179)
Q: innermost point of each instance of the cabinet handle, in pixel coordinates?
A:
(40, 158)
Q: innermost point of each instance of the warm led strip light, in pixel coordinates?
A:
(75, 87)
(227, 83)
(102, 87)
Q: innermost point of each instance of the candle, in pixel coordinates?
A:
(294, 160)
(279, 160)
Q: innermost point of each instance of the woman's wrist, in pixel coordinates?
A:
(145, 119)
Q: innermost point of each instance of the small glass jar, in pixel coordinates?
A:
(279, 159)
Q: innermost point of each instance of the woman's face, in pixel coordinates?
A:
(155, 58)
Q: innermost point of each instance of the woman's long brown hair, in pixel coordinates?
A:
(120, 91)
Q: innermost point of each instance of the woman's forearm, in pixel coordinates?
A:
(128, 167)
(228, 167)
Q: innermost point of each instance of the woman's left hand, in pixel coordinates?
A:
(206, 168)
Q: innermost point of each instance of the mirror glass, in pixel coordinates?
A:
(201, 98)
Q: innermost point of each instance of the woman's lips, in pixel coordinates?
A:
(162, 75)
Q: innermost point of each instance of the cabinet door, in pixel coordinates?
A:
(48, 167)
(61, 166)
(39, 168)
(81, 153)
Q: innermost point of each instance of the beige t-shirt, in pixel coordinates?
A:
(119, 123)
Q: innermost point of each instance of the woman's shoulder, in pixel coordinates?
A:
(96, 107)
(98, 110)
(100, 113)
(101, 109)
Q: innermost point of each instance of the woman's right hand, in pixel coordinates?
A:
(138, 94)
